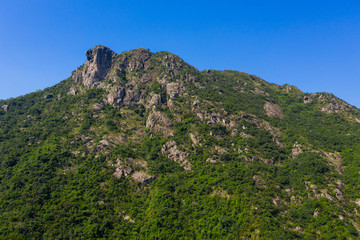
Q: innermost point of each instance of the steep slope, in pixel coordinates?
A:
(142, 145)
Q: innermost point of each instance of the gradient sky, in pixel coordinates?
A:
(314, 45)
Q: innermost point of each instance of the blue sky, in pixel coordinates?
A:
(314, 45)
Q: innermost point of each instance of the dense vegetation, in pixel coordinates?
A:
(57, 181)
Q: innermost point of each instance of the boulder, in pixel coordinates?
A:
(5, 108)
(172, 90)
(171, 151)
(116, 96)
(155, 99)
(142, 177)
(273, 110)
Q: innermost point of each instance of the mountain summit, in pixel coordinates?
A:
(142, 145)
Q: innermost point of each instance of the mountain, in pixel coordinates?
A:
(141, 145)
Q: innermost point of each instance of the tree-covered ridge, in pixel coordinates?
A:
(142, 145)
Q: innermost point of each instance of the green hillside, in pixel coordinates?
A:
(142, 145)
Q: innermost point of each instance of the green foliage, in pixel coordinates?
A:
(58, 157)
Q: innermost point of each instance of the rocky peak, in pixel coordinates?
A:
(99, 61)
(133, 60)
(100, 55)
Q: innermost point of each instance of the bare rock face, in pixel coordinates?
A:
(133, 97)
(273, 110)
(194, 139)
(97, 106)
(340, 184)
(172, 90)
(155, 99)
(142, 177)
(339, 194)
(297, 149)
(5, 108)
(276, 201)
(211, 161)
(159, 123)
(116, 96)
(134, 60)
(96, 67)
(170, 150)
(121, 169)
(332, 104)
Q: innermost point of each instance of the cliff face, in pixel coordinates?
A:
(98, 63)
(142, 145)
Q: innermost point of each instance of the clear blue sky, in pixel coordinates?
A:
(314, 45)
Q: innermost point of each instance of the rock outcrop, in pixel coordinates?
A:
(5, 108)
(170, 150)
(116, 96)
(159, 123)
(99, 61)
(142, 177)
(273, 110)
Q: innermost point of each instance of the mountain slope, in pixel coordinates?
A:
(143, 145)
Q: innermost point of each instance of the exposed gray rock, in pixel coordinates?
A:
(122, 169)
(97, 106)
(116, 96)
(127, 217)
(276, 201)
(170, 150)
(133, 60)
(73, 90)
(118, 173)
(340, 183)
(316, 214)
(332, 104)
(172, 90)
(339, 194)
(221, 150)
(296, 150)
(194, 139)
(142, 177)
(299, 229)
(273, 110)
(140, 163)
(220, 192)
(5, 108)
(159, 123)
(264, 125)
(127, 171)
(258, 91)
(96, 67)
(132, 97)
(155, 99)
(211, 161)
(289, 190)
(172, 61)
